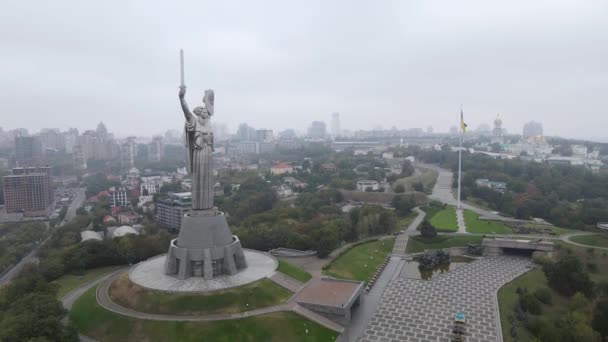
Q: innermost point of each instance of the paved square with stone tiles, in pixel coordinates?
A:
(421, 310)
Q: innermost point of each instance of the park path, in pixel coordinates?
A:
(287, 282)
(402, 239)
(462, 228)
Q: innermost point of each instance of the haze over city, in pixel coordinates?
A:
(282, 65)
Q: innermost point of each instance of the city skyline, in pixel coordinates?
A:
(285, 72)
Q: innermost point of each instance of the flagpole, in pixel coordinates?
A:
(459, 160)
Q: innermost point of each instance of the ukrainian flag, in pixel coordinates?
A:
(463, 126)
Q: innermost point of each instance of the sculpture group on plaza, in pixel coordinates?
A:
(205, 247)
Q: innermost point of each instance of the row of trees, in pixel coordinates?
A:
(18, 239)
(315, 222)
(570, 196)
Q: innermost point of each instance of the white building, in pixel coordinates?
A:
(366, 185)
(150, 187)
(87, 235)
(118, 196)
(281, 169)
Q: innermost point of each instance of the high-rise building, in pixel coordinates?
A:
(28, 151)
(79, 157)
(335, 125)
(127, 153)
(497, 131)
(317, 130)
(170, 210)
(155, 149)
(28, 190)
(264, 135)
(70, 138)
(245, 133)
(532, 129)
(52, 139)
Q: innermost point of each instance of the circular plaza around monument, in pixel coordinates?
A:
(150, 274)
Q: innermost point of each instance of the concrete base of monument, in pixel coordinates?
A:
(150, 274)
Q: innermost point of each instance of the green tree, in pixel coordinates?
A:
(599, 321)
(399, 188)
(427, 230)
(568, 276)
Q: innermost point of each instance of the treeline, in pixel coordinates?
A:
(29, 310)
(587, 304)
(18, 239)
(568, 196)
(314, 223)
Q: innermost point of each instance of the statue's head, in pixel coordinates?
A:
(200, 110)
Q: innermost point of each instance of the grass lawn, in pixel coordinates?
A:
(94, 321)
(475, 225)
(445, 220)
(417, 244)
(259, 294)
(595, 240)
(293, 271)
(361, 261)
(69, 282)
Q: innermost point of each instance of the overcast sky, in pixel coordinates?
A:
(281, 64)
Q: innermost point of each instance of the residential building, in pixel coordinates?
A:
(367, 185)
(28, 151)
(264, 135)
(335, 125)
(155, 149)
(171, 209)
(28, 190)
(150, 187)
(128, 150)
(129, 218)
(317, 130)
(118, 196)
(280, 169)
(498, 186)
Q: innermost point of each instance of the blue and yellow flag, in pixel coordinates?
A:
(463, 126)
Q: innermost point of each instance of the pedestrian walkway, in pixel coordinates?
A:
(462, 228)
(402, 239)
(286, 281)
(423, 310)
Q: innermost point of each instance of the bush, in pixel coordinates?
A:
(399, 188)
(544, 295)
(531, 304)
(592, 267)
(427, 230)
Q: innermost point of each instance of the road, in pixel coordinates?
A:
(71, 213)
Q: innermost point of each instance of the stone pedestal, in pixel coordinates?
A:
(205, 247)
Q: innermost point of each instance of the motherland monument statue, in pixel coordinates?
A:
(205, 246)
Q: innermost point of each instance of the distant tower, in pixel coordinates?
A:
(317, 130)
(497, 132)
(335, 125)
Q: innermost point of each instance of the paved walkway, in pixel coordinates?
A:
(287, 282)
(419, 310)
(566, 238)
(462, 228)
(402, 239)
